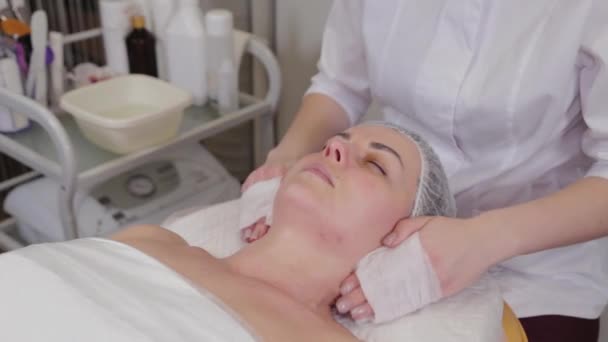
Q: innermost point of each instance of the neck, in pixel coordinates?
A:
(295, 266)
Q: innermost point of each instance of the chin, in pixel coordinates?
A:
(299, 195)
(299, 199)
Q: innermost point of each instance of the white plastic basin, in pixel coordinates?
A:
(127, 113)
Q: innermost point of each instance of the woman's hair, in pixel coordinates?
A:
(433, 196)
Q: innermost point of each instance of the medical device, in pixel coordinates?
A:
(147, 194)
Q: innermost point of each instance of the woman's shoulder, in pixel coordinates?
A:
(148, 232)
(168, 248)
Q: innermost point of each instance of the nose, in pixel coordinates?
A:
(336, 150)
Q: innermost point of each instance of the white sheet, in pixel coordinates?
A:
(101, 290)
(474, 315)
(107, 291)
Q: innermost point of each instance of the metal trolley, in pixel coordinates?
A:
(55, 148)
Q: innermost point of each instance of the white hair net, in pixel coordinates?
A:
(433, 197)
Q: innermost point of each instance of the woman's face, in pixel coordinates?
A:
(352, 192)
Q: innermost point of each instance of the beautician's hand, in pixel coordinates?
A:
(255, 231)
(276, 165)
(352, 300)
(458, 249)
(264, 172)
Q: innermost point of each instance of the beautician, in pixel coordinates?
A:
(513, 96)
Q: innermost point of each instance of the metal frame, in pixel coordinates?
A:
(65, 169)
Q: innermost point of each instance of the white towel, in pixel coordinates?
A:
(473, 315)
(398, 281)
(103, 290)
(217, 228)
(257, 202)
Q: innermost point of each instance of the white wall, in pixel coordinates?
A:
(299, 31)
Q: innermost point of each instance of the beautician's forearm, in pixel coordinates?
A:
(575, 214)
(319, 118)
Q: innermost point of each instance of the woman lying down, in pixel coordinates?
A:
(146, 283)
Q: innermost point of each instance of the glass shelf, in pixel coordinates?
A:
(88, 154)
(95, 164)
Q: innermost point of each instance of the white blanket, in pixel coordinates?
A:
(474, 315)
(102, 290)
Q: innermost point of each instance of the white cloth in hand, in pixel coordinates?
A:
(398, 281)
(257, 202)
(216, 228)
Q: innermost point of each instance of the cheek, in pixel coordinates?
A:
(377, 221)
(370, 197)
(371, 211)
(379, 217)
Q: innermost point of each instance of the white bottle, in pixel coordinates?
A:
(227, 88)
(57, 68)
(10, 79)
(115, 26)
(220, 47)
(162, 12)
(186, 50)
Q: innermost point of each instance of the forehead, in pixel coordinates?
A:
(385, 135)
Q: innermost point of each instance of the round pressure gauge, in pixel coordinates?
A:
(140, 186)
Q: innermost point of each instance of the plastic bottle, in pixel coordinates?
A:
(227, 88)
(220, 45)
(186, 50)
(57, 68)
(10, 79)
(141, 49)
(162, 12)
(115, 26)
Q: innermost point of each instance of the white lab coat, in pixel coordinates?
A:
(513, 95)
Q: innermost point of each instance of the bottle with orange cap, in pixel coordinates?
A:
(141, 48)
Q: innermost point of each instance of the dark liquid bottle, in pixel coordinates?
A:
(141, 48)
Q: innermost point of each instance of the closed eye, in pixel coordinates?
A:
(377, 166)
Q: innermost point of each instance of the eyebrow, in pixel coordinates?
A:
(382, 147)
(344, 135)
(376, 145)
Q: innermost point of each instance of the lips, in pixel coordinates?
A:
(321, 172)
